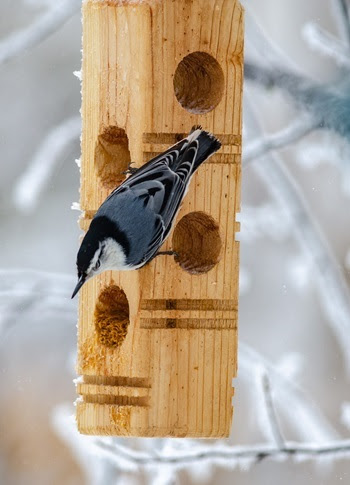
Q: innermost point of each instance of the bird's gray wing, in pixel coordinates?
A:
(165, 158)
(159, 187)
(162, 185)
(159, 193)
(162, 190)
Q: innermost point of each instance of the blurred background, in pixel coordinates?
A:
(292, 402)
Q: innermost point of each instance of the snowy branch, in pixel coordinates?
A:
(23, 291)
(271, 77)
(307, 419)
(325, 43)
(292, 133)
(27, 189)
(328, 105)
(45, 25)
(271, 413)
(341, 12)
(230, 455)
(260, 45)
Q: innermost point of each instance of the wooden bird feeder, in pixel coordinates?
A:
(157, 347)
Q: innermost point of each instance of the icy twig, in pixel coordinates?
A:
(337, 450)
(271, 413)
(309, 95)
(328, 104)
(307, 419)
(260, 45)
(34, 179)
(341, 12)
(45, 25)
(23, 291)
(302, 89)
(325, 43)
(330, 282)
(292, 133)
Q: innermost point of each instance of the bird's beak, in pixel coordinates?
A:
(80, 283)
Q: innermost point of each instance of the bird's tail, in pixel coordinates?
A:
(193, 150)
(208, 144)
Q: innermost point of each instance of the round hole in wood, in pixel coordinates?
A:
(111, 316)
(112, 156)
(199, 82)
(197, 242)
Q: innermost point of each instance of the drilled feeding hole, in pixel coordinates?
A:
(197, 242)
(112, 316)
(199, 83)
(112, 156)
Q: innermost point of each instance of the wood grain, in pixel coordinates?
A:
(145, 83)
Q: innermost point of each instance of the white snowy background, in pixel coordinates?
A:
(292, 401)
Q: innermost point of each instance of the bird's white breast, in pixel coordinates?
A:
(113, 256)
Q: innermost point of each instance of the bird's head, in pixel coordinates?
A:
(100, 250)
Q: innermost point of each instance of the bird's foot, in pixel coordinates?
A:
(130, 170)
(167, 253)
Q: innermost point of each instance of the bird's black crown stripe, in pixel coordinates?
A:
(108, 228)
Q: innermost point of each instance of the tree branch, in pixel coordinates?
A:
(271, 413)
(290, 134)
(328, 105)
(325, 43)
(307, 418)
(27, 189)
(338, 449)
(45, 25)
(342, 16)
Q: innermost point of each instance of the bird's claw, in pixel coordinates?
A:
(130, 170)
(168, 253)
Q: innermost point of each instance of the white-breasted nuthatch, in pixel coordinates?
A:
(136, 218)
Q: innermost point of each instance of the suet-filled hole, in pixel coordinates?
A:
(112, 316)
(199, 83)
(112, 156)
(197, 243)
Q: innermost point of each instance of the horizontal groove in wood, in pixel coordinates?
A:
(188, 323)
(162, 147)
(118, 400)
(172, 138)
(85, 389)
(220, 158)
(119, 381)
(189, 314)
(187, 304)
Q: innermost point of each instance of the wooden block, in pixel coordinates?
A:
(157, 347)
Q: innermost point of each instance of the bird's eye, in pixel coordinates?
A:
(98, 264)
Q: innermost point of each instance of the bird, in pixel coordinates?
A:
(133, 222)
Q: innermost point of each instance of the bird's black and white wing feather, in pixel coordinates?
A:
(161, 183)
